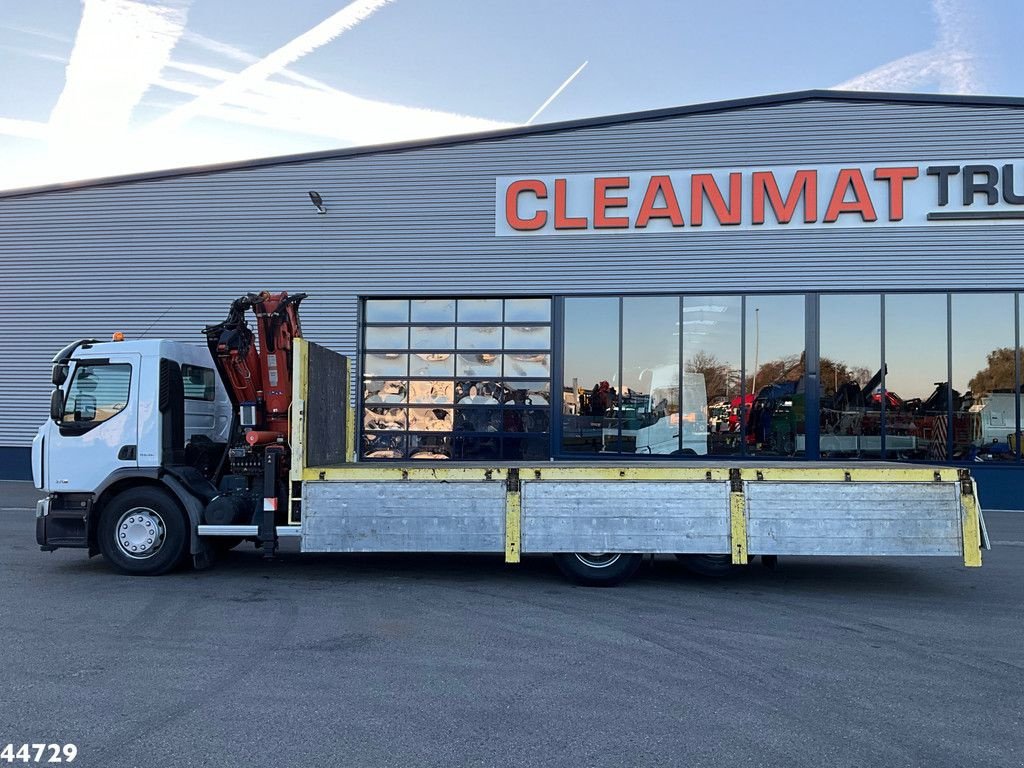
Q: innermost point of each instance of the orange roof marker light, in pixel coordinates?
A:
(117, 336)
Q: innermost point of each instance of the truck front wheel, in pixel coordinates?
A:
(605, 569)
(142, 532)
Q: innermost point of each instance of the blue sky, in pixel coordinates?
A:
(99, 87)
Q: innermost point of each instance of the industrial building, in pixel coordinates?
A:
(817, 275)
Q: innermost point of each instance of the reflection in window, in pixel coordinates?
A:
(200, 383)
(484, 364)
(384, 391)
(386, 365)
(850, 376)
(97, 393)
(430, 420)
(480, 337)
(440, 392)
(432, 311)
(649, 417)
(916, 392)
(387, 337)
(591, 365)
(444, 361)
(431, 364)
(387, 311)
(479, 310)
(775, 375)
(527, 310)
(430, 337)
(711, 368)
(984, 388)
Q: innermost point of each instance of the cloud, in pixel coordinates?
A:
(951, 64)
(323, 33)
(120, 49)
(25, 129)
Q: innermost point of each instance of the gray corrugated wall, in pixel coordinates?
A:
(90, 261)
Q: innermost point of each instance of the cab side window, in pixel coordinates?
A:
(97, 393)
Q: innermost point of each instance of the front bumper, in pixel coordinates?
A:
(63, 521)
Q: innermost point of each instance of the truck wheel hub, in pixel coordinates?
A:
(598, 559)
(140, 533)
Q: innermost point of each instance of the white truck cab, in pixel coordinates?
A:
(123, 414)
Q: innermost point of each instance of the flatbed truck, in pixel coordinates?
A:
(149, 460)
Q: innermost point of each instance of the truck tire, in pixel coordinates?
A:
(142, 532)
(713, 566)
(605, 569)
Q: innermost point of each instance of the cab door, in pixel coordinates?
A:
(98, 431)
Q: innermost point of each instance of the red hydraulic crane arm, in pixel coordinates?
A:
(259, 375)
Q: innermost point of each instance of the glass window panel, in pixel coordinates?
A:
(97, 393)
(385, 419)
(528, 392)
(478, 419)
(526, 448)
(522, 337)
(649, 413)
(850, 366)
(200, 383)
(775, 375)
(475, 447)
(433, 311)
(383, 446)
(428, 447)
(479, 310)
(915, 379)
(591, 359)
(984, 401)
(479, 337)
(431, 364)
(535, 419)
(440, 392)
(387, 337)
(478, 392)
(386, 365)
(426, 337)
(527, 310)
(528, 365)
(387, 311)
(479, 365)
(430, 419)
(384, 391)
(711, 327)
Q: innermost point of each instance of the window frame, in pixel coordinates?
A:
(75, 428)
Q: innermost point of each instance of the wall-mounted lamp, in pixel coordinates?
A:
(317, 201)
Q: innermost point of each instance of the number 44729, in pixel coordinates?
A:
(38, 753)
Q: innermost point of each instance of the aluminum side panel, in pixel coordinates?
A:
(625, 517)
(853, 518)
(403, 517)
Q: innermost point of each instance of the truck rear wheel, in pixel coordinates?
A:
(142, 532)
(592, 569)
(708, 565)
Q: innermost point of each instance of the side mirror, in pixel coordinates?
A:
(57, 405)
(60, 374)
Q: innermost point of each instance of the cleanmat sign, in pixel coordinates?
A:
(912, 194)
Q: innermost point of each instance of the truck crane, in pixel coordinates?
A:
(258, 380)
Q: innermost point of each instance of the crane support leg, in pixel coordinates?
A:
(268, 520)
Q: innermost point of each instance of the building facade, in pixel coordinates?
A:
(814, 276)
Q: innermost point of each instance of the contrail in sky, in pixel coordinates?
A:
(120, 49)
(951, 61)
(558, 90)
(323, 33)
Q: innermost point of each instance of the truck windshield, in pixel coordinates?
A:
(97, 393)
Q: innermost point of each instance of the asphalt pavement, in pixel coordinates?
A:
(379, 660)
